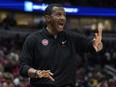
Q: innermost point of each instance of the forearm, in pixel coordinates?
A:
(31, 72)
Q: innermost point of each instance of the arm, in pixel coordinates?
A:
(26, 56)
(26, 62)
(82, 43)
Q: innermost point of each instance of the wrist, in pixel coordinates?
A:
(36, 73)
(98, 46)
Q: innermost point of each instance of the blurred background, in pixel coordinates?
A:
(19, 18)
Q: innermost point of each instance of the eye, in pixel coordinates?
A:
(58, 14)
(64, 15)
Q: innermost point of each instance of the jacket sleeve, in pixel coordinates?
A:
(26, 57)
(82, 43)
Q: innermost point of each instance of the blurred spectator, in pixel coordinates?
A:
(89, 73)
(9, 21)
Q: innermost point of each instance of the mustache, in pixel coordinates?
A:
(61, 21)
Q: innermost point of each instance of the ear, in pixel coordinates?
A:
(47, 17)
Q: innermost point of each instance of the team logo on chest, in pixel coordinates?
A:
(45, 42)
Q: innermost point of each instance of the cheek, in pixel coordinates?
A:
(54, 22)
(65, 20)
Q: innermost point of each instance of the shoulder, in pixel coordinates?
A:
(33, 35)
(73, 34)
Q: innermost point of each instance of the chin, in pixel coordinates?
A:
(60, 30)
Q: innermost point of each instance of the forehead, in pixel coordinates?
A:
(58, 9)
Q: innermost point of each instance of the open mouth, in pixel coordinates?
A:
(61, 25)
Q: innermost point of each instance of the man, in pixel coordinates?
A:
(49, 56)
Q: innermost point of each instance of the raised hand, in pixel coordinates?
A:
(97, 40)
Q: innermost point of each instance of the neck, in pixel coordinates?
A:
(51, 31)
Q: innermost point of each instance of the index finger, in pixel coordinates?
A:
(51, 78)
(100, 31)
(50, 72)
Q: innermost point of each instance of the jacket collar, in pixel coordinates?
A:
(46, 32)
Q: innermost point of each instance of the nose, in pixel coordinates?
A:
(63, 17)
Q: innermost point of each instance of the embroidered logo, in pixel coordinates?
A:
(63, 43)
(45, 42)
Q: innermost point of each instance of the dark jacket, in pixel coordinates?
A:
(44, 52)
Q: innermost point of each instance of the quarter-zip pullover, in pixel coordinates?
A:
(44, 52)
